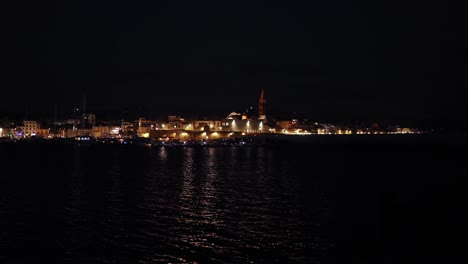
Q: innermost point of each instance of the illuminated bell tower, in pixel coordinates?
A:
(261, 107)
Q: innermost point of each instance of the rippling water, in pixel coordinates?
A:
(115, 204)
(321, 203)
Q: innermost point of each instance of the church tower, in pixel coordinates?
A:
(261, 107)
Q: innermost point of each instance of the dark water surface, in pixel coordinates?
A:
(330, 203)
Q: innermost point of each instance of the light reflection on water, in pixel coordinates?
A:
(318, 203)
(139, 205)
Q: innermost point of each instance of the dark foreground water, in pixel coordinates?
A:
(389, 201)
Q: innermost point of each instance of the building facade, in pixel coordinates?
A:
(30, 128)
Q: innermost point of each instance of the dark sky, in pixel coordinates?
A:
(330, 59)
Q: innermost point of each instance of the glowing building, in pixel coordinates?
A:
(261, 107)
(30, 128)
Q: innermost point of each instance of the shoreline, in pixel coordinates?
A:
(457, 139)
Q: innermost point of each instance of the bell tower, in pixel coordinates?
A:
(261, 106)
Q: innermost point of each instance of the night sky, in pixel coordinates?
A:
(343, 60)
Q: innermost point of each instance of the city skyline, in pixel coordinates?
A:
(260, 110)
(346, 62)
